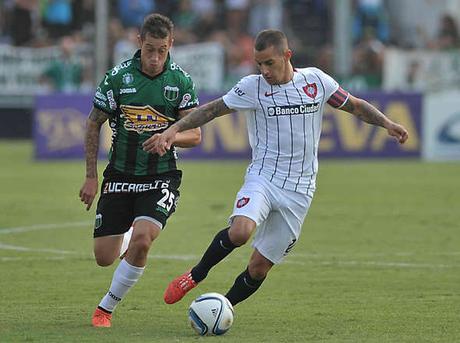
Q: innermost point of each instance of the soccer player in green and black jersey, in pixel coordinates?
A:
(139, 97)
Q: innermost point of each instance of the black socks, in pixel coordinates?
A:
(243, 288)
(219, 248)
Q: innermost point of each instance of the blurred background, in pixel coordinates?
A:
(404, 56)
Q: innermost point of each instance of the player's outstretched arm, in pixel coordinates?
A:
(161, 143)
(187, 138)
(368, 113)
(93, 128)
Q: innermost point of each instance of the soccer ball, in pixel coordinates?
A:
(211, 314)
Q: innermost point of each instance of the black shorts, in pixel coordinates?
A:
(123, 201)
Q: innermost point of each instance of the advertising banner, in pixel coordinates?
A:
(59, 126)
(441, 129)
(343, 135)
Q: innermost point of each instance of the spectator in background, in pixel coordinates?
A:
(265, 14)
(116, 33)
(185, 20)
(370, 32)
(309, 25)
(448, 36)
(83, 14)
(368, 60)
(209, 19)
(66, 73)
(133, 12)
(370, 14)
(57, 17)
(126, 46)
(22, 21)
(237, 43)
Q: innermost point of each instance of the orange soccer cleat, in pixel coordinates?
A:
(178, 288)
(101, 319)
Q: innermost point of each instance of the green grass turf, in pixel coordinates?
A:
(378, 260)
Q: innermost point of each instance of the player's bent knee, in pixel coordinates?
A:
(239, 237)
(141, 243)
(241, 230)
(103, 260)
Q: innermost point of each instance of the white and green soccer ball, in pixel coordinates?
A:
(211, 314)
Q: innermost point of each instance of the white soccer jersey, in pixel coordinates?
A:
(284, 124)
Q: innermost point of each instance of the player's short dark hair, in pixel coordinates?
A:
(268, 38)
(157, 25)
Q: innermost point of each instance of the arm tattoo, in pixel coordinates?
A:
(365, 112)
(203, 114)
(93, 127)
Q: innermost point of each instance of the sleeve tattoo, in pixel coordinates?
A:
(93, 127)
(365, 112)
(203, 114)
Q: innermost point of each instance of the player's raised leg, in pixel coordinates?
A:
(249, 281)
(128, 271)
(222, 245)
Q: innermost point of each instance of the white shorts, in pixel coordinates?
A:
(278, 213)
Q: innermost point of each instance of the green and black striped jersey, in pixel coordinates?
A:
(138, 107)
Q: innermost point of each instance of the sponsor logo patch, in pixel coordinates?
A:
(99, 94)
(175, 66)
(112, 102)
(100, 103)
(120, 66)
(238, 91)
(242, 202)
(128, 90)
(143, 118)
(291, 110)
(185, 99)
(130, 187)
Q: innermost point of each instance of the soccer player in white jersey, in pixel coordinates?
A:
(284, 112)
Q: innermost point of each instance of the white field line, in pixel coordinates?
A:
(38, 227)
(63, 253)
(17, 248)
(295, 258)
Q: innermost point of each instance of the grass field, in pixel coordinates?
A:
(378, 260)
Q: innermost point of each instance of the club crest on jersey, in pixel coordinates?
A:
(171, 93)
(311, 90)
(242, 202)
(143, 118)
(127, 78)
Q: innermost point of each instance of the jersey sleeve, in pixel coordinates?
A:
(106, 95)
(242, 95)
(189, 98)
(336, 96)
